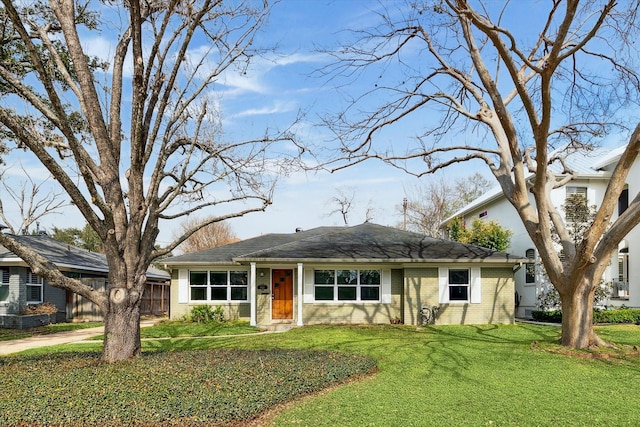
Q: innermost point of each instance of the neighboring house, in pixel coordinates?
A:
(593, 171)
(20, 288)
(346, 275)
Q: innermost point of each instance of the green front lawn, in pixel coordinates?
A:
(437, 376)
(175, 329)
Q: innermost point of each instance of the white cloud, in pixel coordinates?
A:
(276, 108)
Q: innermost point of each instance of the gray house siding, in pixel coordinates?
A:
(12, 304)
(56, 296)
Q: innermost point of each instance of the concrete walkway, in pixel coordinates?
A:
(67, 337)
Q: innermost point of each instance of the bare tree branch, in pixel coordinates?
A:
(475, 86)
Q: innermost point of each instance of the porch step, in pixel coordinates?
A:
(277, 327)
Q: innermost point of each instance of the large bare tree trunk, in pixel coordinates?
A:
(129, 180)
(122, 326)
(577, 316)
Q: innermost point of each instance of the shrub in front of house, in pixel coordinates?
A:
(618, 315)
(207, 314)
(44, 308)
(548, 316)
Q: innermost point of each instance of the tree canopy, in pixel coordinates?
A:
(134, 137)
(435, 201)
(209, 236)
(487, 234)
(515, 87)
(85, 237)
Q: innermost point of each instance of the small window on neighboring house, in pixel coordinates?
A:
(623, 201)
(577, 190)
(458, 285)
(530, 267)
(4, 283)
(574, 196)
(34, 288)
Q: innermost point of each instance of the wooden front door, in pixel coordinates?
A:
(282, 294)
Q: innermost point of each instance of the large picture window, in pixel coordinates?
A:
(346, 285)
(221, 285)
(34, 288)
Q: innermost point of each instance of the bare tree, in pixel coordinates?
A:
(209, 236)
(344, 202)
(515, 97)
(135, 140)
(31, 199)
(430, 204)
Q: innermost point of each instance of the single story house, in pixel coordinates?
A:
(21, 288)
(346, 275)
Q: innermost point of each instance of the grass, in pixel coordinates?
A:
(440, 375)
(14, 334)
(175, 329)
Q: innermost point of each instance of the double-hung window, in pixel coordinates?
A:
(458, 284)
(347, 285)
(219, 285)
(575, 207)
(34, 288)
(4, 283)
(530, 267)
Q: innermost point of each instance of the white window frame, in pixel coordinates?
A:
(577, 189)
(4, 282)
(208, 286)
(466, 284)
(530, 254)
(358, 285)
(32, 280)
(474, 294)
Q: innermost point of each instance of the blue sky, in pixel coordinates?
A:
(272, 93)
(302, 28)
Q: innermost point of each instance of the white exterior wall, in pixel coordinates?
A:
(633, 241)
(501, 211)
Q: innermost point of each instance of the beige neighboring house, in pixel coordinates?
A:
(364, 274)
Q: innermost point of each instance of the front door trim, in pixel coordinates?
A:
(282, 294)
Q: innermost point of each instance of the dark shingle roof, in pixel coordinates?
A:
(363, 243)
(227, 253)
(64, 255)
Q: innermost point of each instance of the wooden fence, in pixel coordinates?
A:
(155, 301)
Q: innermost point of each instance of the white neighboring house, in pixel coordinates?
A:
(593, 171)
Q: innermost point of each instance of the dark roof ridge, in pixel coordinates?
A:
(330, 230)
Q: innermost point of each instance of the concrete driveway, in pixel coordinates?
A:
(15, 346)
